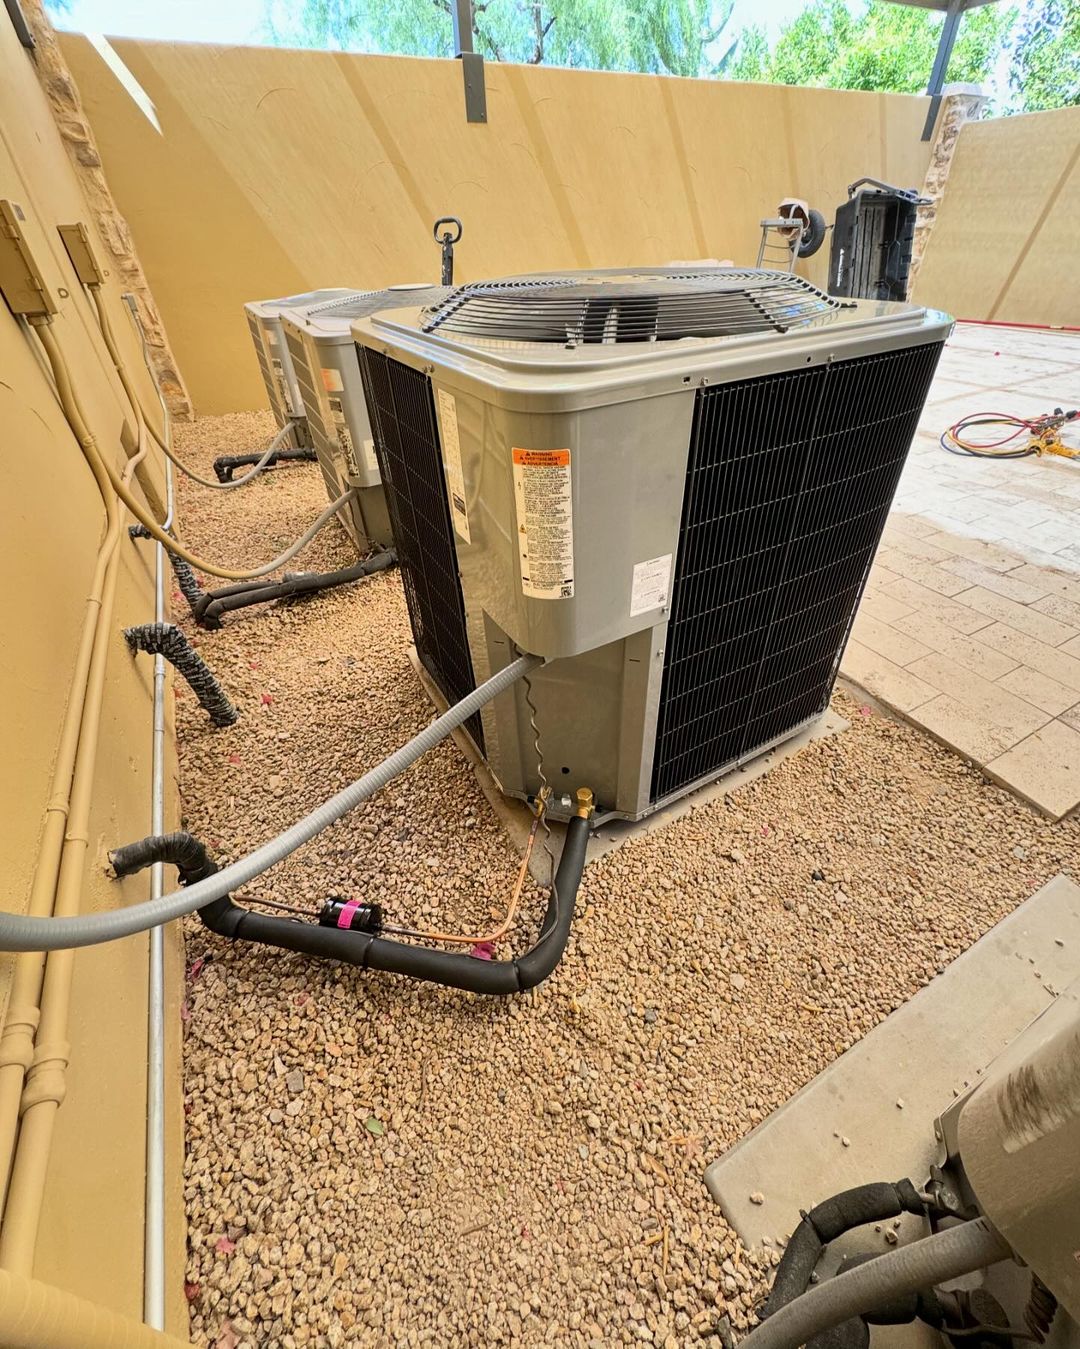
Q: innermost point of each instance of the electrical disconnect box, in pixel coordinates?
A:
(22, 281)
(76, 239)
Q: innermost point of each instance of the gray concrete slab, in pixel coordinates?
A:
(517, 818)
(924, 1054)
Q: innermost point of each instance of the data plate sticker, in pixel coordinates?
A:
(650, 586)
(545, 523)
(455, 477)
(371, 462)
(337, 413)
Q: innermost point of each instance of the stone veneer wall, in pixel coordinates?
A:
(957, 107)
(78, 138)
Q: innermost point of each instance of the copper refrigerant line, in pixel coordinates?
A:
(452, 938)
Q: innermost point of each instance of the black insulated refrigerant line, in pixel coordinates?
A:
(370, 952)
(211, 604)
(227, 464)
(166, 639)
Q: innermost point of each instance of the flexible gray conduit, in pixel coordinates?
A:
(272, 449)
(922, 1264)
(20, 933)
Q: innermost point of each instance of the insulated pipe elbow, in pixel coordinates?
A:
(871, 1203)
(180, 849)
(213, 603)
(452, 970)
(903, 1270)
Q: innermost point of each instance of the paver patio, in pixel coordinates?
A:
(970, 625)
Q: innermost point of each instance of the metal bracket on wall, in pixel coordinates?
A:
(22, 281)
(472, 63)
(472, 68)
(18, 22)
(954, 11)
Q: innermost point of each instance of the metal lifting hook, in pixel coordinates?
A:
(447, 240)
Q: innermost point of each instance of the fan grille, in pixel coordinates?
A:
(364, 303)
(661, 306)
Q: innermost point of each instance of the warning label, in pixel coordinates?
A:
(455, 478)
(283, 388)
(545, 523)
(649, 588)
(332, 381)
(337, 413)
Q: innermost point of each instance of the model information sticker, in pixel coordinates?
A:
(545, 523)
(455, 478)
(337, 412)
(650, 586)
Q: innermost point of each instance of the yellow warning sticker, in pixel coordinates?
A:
(545, 522)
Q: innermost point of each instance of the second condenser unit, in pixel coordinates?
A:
(670, 483)
(322, 358)
(264, 321)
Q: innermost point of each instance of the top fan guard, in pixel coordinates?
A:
(660, 305)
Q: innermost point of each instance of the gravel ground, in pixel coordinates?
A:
(377, 1162)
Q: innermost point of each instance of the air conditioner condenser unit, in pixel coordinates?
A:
(322, 356)
(669, 483)
(264, 320)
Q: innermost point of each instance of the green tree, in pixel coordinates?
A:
(678, 37)
(886, 46)
(1046, 59)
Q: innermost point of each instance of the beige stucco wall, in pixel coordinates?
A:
(51, 519)
(1004, 245)
(275, 171)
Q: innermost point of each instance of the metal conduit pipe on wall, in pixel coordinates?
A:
(154, 1215)
(45, 1081)
(77, 739)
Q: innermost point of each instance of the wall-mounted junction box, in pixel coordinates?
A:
(76, 239)
(21, 280)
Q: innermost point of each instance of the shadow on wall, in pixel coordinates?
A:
(1001, 247)
(276, 171)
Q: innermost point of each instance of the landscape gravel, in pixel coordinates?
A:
(372, 1161)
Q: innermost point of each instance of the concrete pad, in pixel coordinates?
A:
(613, 833)
(924, 1054)
(517, 818)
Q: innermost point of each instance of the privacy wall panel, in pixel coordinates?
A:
(1004, 245)
(272, 170)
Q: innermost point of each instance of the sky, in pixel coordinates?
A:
(239, 22)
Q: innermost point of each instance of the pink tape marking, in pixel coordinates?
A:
(345, 917)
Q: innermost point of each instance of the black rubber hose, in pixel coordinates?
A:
(213, 603)
(851, 1208)
(186, 580)
(923, 1304)
(226, 464)
(166, 639)
(497, 977)
(183, 850)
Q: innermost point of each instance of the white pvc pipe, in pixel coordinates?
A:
(154, 1203)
